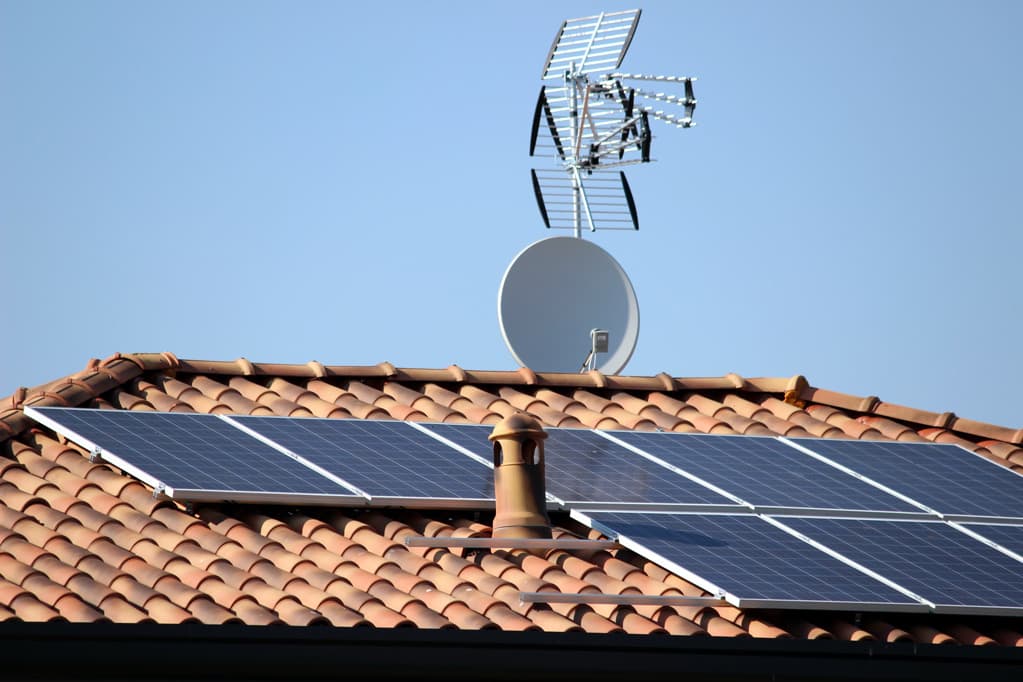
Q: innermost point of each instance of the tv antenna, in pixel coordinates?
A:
(594, 120)
(566, 305)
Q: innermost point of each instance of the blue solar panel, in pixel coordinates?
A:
(385, 459)
(584, 467)
(764, 471)
(196, 456)
(1009, 537)
(946, 478)
(946, 567)
(756, 563)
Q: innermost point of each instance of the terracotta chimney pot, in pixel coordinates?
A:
(519, 478)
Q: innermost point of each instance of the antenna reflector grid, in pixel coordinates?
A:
(609, 126)
(591, 44)
(607, 194)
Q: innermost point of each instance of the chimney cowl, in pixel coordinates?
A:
(518, 425)
(519, 485)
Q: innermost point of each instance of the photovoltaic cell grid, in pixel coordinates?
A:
(930, 558)
(385, 459)
(945, 478)
(764, 471)
(190, 452)
(584, 467)
(1009, 537)
(746, 557)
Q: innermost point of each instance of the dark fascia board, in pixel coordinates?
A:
(148, 651)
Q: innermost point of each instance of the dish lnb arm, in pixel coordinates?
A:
(599, 343)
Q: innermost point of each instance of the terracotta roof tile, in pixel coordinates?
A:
(210, 613)
(635, 624)
(91, 544)
(341, 616)
(852, 428)
(460, 404)
(154, 396)
(190, 395)
(27, 607)
(306, 399)
(487, 400)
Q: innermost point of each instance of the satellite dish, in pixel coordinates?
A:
(555, 294)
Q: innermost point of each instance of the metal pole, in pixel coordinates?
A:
(573, 157)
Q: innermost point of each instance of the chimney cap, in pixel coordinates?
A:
(518, 424)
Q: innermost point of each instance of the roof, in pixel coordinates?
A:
(82, 542)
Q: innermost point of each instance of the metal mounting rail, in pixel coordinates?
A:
(623, 599)
(511, 543)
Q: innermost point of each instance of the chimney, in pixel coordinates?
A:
(519, 483)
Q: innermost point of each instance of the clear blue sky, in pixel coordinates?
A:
(347, 182)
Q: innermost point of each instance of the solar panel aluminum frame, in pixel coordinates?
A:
(931, 513)
(740, 504)
(866, 479)
(160, 489)
(772, 509)
(979, 536)
(845, 560)
(972, 518)
(295, 456)
(979, 518)
(950, 609)
(665, 507)
(842, 513)
(386, 501)
(581, 515)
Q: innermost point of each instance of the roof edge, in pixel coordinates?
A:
(191, 650)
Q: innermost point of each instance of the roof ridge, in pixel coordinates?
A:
(101, 376)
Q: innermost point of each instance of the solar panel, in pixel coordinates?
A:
(391, 461)
(1009, 537)
(764, 471)
(749, 561)
(193, 456)
(934, 560)
(946, 478)
(583, 467)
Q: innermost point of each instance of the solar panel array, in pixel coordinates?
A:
(941, 477)
(1007, 537)
(764, 522)
(753, 562)
(173, 453)
(385, 459)
(585, 468)
(764, 472)
(933, 559)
